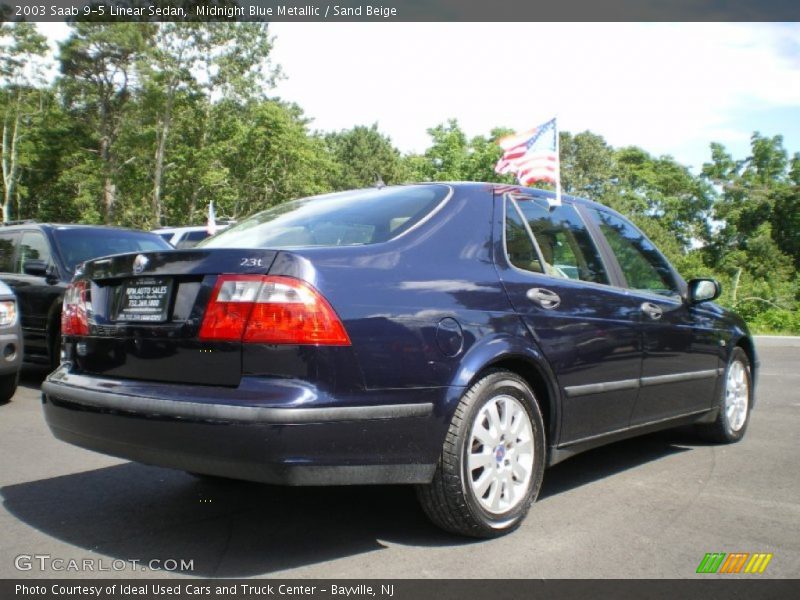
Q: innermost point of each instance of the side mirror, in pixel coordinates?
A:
(35, 267)
(703, 290)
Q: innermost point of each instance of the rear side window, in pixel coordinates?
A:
(344, 219)
(643, 266)
(7, 241)
(519, 245)
(33, 246)
(565, 247)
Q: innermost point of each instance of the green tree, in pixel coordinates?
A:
(363, 156)
(21, 100)
(231, 60)
(99, 80)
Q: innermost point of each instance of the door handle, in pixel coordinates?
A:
(652, 310)
(544, 298)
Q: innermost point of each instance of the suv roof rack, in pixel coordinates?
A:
(19, 222)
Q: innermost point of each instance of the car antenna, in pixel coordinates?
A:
(379, 181)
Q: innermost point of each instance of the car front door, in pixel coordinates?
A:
(681, 361)
(35, 293)
(587, 329)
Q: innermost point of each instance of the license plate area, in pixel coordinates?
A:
(144, 300)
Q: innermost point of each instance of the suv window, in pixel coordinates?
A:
(342, 219)
(565, 246)
(643, 266)
(190, 238)
(7, 241)
(32, 246)
(78, 244)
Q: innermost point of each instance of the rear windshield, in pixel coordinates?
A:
(343, 219)
(78, 244)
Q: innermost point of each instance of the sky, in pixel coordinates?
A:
(668, 88)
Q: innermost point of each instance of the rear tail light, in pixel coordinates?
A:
(270, 309)
(75, 310)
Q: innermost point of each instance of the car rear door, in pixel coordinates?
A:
(681, 357)
(587, 329)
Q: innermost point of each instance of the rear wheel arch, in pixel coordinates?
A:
(540, 383)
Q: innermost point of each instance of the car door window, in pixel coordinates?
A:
(519, 246)
(565, 246)
(33, 246)
(7, 242)
(642, 265)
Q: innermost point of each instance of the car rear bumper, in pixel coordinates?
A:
(283, 432)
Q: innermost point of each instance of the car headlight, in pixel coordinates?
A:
(8, 313)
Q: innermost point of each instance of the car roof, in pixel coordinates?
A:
(520, 189)
(61, 226)
(180, 229)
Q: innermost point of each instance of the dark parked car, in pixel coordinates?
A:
(460, 337)
(38, 260)
(10, 343)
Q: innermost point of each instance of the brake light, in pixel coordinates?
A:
(75, 309)
(270, 309)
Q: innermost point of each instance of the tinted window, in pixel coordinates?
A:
(519, 245)
(33, 246)
(78, 244)
(345, 219)
(566, 246)
(190, 239)
(196, 236)
(7, 241)
(166, 236)
(643, 266)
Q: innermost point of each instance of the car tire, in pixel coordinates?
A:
(8, 386)
(211, 478)
(54, 347)
(735, 402)
(492, 461)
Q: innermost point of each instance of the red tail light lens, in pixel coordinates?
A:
(270, 309)
(75, 309)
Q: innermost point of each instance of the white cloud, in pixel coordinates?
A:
(660, 86)
(669, 88)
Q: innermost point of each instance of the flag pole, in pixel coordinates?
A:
(558, 163)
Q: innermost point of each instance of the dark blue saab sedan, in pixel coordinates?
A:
(459, 337)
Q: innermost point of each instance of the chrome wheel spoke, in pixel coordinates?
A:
(482, 484)
(495, 496)
(499, 459)
(494, 420)
(737, 396)
(519, 471)
(483, 436)
(478, 460)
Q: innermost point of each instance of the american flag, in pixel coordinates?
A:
(531, 155)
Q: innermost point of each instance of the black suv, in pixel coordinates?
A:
(38, 260)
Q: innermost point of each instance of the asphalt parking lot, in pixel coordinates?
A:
(648, 507)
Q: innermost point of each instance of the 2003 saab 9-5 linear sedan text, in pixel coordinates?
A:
(460, 337)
